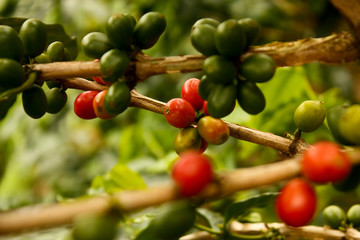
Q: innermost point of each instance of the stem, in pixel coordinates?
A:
(60, 214)
(333, 49)
(207, 229)
(306, 232)
(46, 216)
(264, 138)
(295, 141)
(28, 83)
(237, 131)
(249, 237)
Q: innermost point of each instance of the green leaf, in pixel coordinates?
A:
(7, 7)
(333, 97)
(119, 178)
(13, 22)
(251, 217)
(55, 32)
(130, 134)
(288, 88)
(202, 219)
(239, 208)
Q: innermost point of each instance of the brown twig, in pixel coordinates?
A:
(333, 49)
(306, 232)
(237, 131)
(64, 213)
(47, 216)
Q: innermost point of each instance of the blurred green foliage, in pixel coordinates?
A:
(61, 156)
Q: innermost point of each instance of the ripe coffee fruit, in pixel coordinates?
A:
(10, 44)
(325, 162)
(99, 106)
(187, 139)
(204, 109)
(213, 130)
(33, 36)
(83, 105)
(190, 92)
(296, 203)
(179, 113)
(309, 115)
(349, 123)
(351, 181)
(258, 68)
(333, 216)
(34, 101)
(192, 172)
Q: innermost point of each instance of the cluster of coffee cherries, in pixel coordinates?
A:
(336, 218)
(190, 114)
(343, 120)
(29, 45)
(323, 162)
(197, 130)
(227, 79)
(124, 37)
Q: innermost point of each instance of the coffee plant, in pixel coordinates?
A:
(250, 130)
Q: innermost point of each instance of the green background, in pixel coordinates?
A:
(61, 156)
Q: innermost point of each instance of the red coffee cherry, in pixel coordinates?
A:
(325, 162)
(83, 105)
(190, 93)
(100, 80)
(296, 203)
(192, 172)
(205, 108)
(99, 108)
(179, 113)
